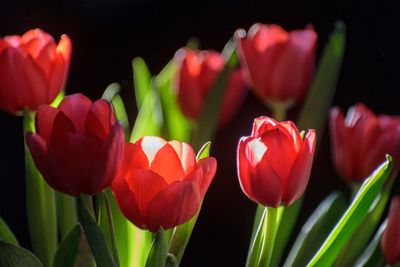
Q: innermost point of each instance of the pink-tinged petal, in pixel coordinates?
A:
(76, 107)
(34, 41)
(167, 164)
(100, 119)
(134, 158)
(174, 205)
(297, 181)
(109, 160)
(234, 96)
(390, 241)
(3, 45)
(204, 174)
(186, 155)
(263, 124)
(127, 202)
(44, 121)
(150, 145)
(61, 128)
(144, 185)
(257, 178)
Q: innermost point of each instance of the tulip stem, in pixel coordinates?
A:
(112, 228)
(87, 201)
(279, 109)
(270, 229)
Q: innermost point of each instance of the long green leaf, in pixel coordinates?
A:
(181, 234)
(13, 256)
(40, 205)
(353, 216)
(141, 80)
(159, 251)
(6, 234)
(95, 238)
(314, 112)
(372, 255)
(316, 229)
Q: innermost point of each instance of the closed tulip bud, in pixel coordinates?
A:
(78, 147)
(33, 70)
(361, 140)
(390, 242)
(197, 74)
(161, 184)
(274, 162)
(279, 65)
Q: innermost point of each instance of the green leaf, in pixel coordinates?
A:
(316, 229)
(95, 238)
(364, 232)
(40, 204)
(177, 126)
(159, 251)
(255, 247)
(207, 122)
(315, 110)
(6, 234)
(372, 256)
(141, 80)
(181, 234)
(353, 217)
(66, 213)
(13, 256)
(73, 250)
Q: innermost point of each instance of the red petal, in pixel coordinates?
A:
(263, 124)
(390, 241)
(44, 121)
(204, 174)
(76, 107)
(134, 158)
(150, 145)
(300, 171)
(100, 119)
(174, 205)
(167, 164)
(61, 128)
(186, 155)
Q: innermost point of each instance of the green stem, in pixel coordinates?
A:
(66, 212)
(279, 109)
(87, 201)
(270, 229)
(256, 239)
(112, 231)
(40, 204)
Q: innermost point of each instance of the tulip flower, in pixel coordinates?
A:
(161, 184)
(33, 70)
(78, 147)
(197, 73)
(274, 162)
(390, 242)
(361, 140)
(279, 64)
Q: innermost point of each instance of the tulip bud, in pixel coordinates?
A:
(161, 184)
(33, 70)
(361, 140)
(197, 73)
(78, 146)
(274, 162)
(278, 64)
(390, 242)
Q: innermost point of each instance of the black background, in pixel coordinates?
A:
(108, 34)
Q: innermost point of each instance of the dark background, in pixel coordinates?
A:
(108, 34)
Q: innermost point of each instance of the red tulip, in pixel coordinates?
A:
(161, 184)
(197, 73)
(33, 70)
(274, 163)
(361, 140)
(78, 147)
(390, 242)
(279, 64)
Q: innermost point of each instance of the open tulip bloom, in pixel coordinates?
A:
(133, 198)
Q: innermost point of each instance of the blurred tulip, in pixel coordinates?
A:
(33, 70)
(197, 73)
(279, 64)
(78, 147)
(390, 242)
(361, 140)
(274, 163)
(161, 184)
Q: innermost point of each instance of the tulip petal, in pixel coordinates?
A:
(186, 155)
(99, 119)
(134, 158)
(150, 145)
(64, 48)
(390, 239)
(203, 174)
(167, 164)
(297, 181)
(62, 126)
(263, 124)
(44, 121)
(76, 107)
(174, 205)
